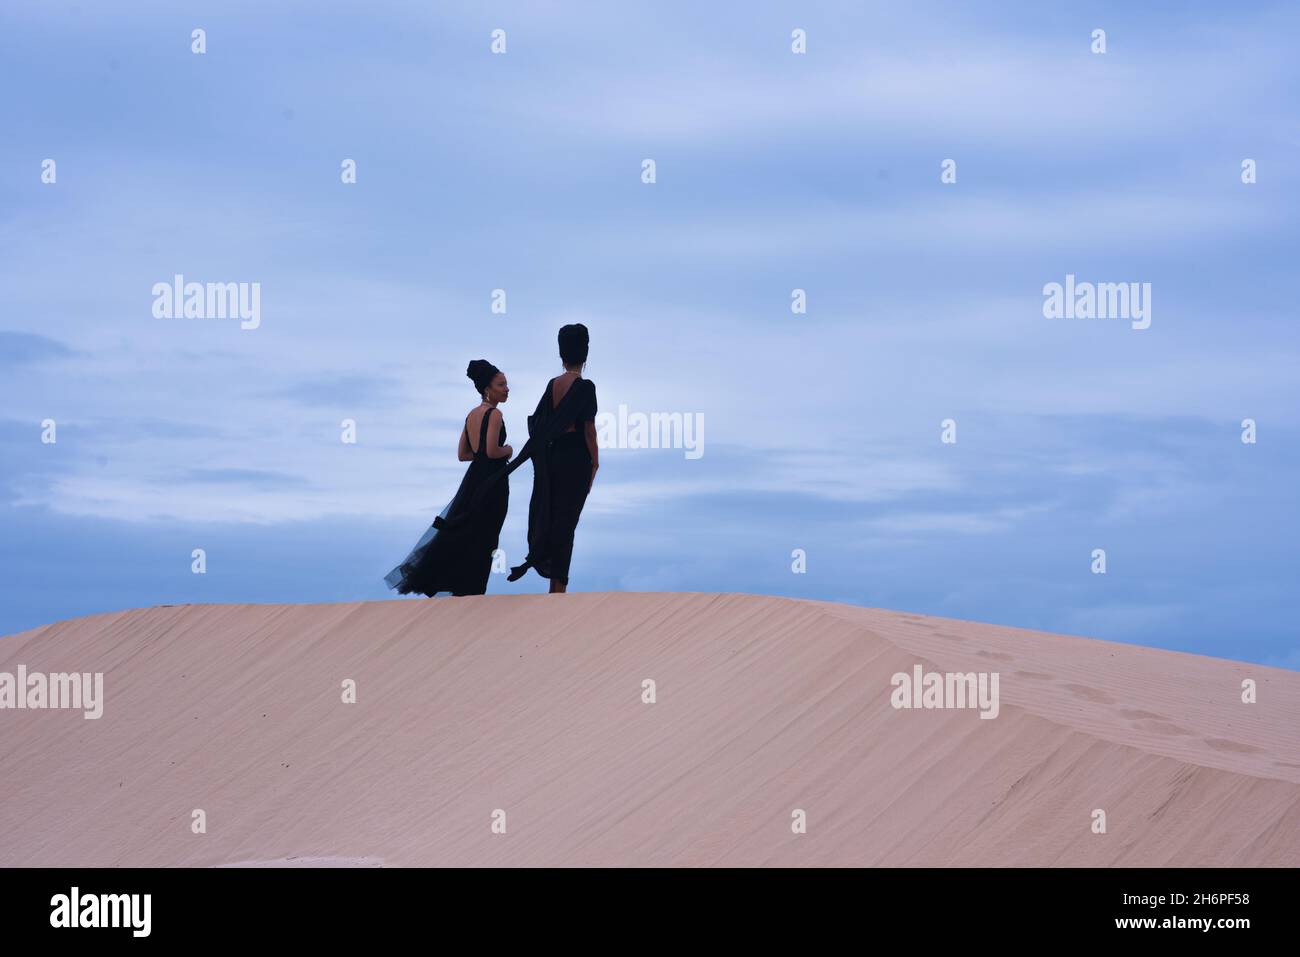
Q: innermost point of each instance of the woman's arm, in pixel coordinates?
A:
(463, 452)
(589, 431)
(495, 451)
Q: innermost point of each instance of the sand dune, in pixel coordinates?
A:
(532, 705)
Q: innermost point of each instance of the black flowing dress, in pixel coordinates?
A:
(561, 479)
(456, 557)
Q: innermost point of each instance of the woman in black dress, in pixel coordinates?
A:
(565, 458)
(455, 554)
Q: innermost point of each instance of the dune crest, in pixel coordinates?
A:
(529, 712)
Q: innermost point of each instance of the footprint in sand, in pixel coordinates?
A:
(1032, 675)
(1089, 694)
(1138, 715)
(945, 634)
(1223, 744)
(1159, 727)
(995, 655)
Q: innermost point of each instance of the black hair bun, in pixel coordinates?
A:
(573, 344)
(481, 373)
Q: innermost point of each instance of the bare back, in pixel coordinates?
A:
(474, 430)
(560, 387)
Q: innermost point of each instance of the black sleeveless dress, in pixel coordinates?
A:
(457, 557)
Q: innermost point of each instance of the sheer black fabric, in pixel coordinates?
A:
(561, 479)
(455, 553)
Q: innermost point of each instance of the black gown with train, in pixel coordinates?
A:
(561, 479)
(455, 554)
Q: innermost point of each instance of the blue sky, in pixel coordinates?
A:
(774, 172)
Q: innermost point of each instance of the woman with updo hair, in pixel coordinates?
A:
(455, 554)
(562, 442)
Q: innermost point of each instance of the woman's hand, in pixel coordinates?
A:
(509, 450)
